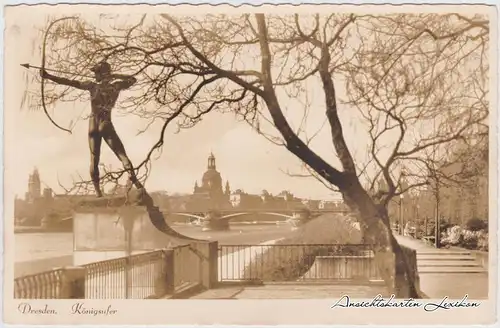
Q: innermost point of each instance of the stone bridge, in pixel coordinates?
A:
(219, 219)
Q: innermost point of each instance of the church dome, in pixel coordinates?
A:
(211, 175)
(212, 179)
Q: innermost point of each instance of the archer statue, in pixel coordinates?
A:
(104, 93)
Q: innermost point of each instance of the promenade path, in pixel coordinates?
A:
(294, 291)
(447, 272)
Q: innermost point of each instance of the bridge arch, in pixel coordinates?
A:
(280, 214)
(194, 216)
(230, 216)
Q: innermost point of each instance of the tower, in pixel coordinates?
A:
(34, 185)
(211, 193)
(211, 162)
(227, 190)
(211, 181)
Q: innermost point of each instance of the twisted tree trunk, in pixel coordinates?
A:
(390, 259)
(373, 218)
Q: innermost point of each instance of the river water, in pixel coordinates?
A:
(38, 246)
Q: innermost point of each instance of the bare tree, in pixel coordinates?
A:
(248, 64)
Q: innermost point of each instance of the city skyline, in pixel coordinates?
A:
(197, 181)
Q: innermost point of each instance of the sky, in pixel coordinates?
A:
(243, 157)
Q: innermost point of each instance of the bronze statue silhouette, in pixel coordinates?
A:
(104, 93)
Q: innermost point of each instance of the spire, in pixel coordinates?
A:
(228, 189)
(211, 161)
(36, 176)
(34, 185)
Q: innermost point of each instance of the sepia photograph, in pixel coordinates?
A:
(341, 154)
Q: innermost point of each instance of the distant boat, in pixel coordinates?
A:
(195, 223)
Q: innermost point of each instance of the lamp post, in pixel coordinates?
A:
(417, 223)
(437, 234)
(401, 215)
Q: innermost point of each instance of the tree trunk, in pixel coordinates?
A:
(390, 259)
(373, 219)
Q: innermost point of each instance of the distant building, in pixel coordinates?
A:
(35, 205)
(241, 199)
(332, 205)
(210, 194)
(311, 204)
(42, 207)
(34, 186)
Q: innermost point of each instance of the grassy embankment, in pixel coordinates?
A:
(288, 263)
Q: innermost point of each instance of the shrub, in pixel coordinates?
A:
(476, 224)
(454, 237)
(470, 239)
(477, 240)
(279, 263)
(482, 243)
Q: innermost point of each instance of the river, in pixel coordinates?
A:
(36, 252)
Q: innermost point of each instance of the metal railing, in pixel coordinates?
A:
(159, 273)
(43, 285)
(313, 262)
(135, 277)
(153, 274)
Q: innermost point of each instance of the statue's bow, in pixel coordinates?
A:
(42, 83)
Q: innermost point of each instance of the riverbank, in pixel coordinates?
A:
(36, 252)
(41, 229)
(291, 263)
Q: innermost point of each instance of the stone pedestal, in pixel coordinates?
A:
(73, 283)
(214, 221)
(103, 233)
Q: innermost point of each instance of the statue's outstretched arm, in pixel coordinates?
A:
(82, 85)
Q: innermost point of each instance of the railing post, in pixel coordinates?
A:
(73, 283)
(127, 276)
(169, 271)
(207, 261)
(213, 262)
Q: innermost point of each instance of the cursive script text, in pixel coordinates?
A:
(26, 308)
(445, 304)
(378, 301)
(79, 308)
